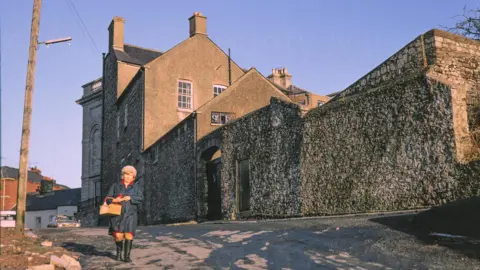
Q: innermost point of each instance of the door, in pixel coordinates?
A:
(214, 199)
(243, 185)
(38, 222)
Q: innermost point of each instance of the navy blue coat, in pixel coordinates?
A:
(127, 221)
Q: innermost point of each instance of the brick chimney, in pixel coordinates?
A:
(281, 77)
(198, 24)
(116, 33)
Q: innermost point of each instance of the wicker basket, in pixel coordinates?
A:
(113, 209)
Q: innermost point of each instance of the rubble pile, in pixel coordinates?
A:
(33, 253)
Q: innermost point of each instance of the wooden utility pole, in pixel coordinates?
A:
(27, 117)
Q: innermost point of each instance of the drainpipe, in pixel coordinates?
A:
(194, 115)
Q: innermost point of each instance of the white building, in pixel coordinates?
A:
(42, 208)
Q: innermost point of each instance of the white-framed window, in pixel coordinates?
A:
(118, 126)
(221, 118)
(125, 116)
(320, 103)
(218, 89)
(184, 95)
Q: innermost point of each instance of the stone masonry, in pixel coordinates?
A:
(406, 135)
(169, 176)
(399, 137)
(270, 140)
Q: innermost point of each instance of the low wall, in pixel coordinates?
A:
(387, 148)
(269, 139)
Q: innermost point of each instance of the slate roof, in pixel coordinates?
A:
(66, 197)
(136, 55)
(296, 90)
(9, 172)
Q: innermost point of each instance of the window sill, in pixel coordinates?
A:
(184, 110)
(212, 124)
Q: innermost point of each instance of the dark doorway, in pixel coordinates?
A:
(214, 199)
(244, 185)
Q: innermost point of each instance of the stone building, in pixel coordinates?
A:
(91, 101)
(211, 140)
(145, 93)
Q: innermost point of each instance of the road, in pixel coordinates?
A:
(325, 243)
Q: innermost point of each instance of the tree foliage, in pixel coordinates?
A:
(469, 24)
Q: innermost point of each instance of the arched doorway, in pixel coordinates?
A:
(212, 160)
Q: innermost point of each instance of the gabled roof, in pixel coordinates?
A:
(50, 201)
(136, 55)
(9, 172)
(228, 90)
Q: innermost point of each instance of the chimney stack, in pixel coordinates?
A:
(116, 33)
(281, 77)
(198, 24)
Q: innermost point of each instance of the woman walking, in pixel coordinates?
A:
(129, 194)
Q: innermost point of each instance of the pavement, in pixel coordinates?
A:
(365, 242)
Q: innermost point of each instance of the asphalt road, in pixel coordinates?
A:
(326, 243)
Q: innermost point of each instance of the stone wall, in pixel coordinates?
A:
(128, 146)
(457, 60)
(412, 58)
(170, 192)
(270, 139)
(399, 137)
(110, 166)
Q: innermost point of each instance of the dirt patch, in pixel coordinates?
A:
(21, 252)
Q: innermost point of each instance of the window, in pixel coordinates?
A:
(98, 193)
(95, 142)
(155, 154)
(50, 218)
(302, 102)
(220, 118)
(184, 95)
(243, 185)
(125, 118)
(320, 103)
(38, 222)
(118, 126)
(218, 89)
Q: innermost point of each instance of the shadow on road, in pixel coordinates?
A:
(86, 250)
(241, 248)
(422, 224)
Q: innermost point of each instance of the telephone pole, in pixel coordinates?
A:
(27, 117)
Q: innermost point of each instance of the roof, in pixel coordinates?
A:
(91, 82)
(136, 55)
(9, 172)
(296, 90)
(66, 197)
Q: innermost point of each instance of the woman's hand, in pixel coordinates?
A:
(117, 200)
(126, 198)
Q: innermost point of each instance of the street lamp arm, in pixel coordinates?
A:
(58, 40)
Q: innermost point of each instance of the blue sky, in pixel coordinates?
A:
(326, 46)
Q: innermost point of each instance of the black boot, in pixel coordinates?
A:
(128, 248)
(120, 249)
